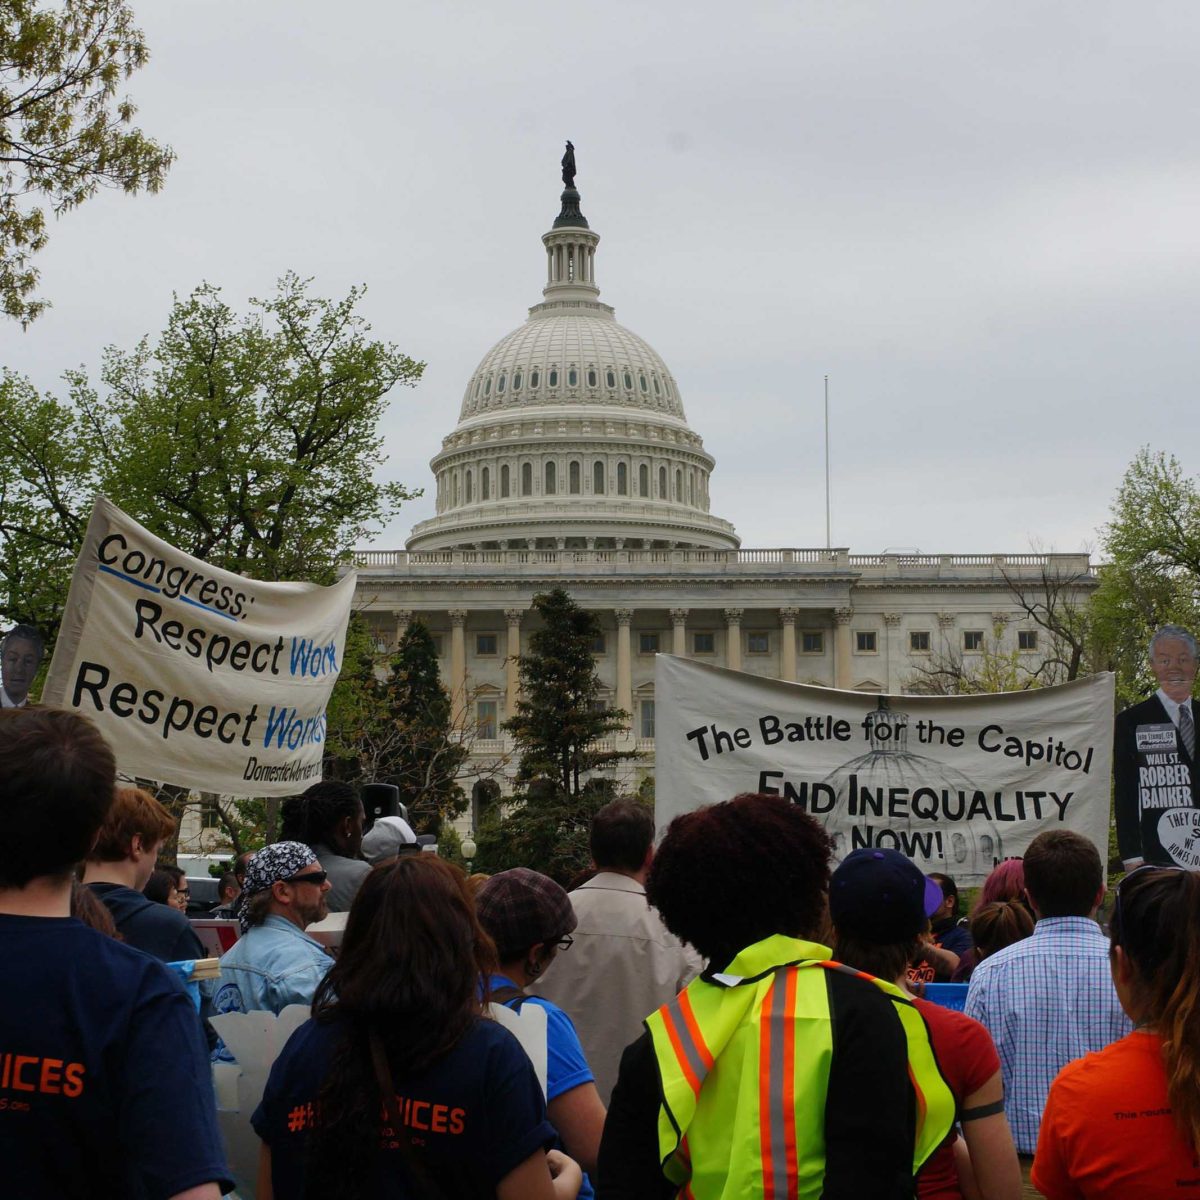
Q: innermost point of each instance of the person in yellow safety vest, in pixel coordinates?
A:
(777, 1074)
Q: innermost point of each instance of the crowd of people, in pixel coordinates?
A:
(727, 1014)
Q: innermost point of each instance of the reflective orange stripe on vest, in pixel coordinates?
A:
(757, 1127)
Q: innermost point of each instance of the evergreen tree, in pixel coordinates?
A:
(556, 730)
(397, 729)
(557, 723)
(425, 761)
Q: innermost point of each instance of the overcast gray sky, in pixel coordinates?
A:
(980, 219)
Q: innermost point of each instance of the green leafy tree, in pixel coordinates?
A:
(250, 441)
(558, 729)
(64, 132)
(1152, 576)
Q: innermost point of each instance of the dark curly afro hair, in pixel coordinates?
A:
(731, 874)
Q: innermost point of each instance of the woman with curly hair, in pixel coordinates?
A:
(1126, 1121)
(399, 1086)
(778, 1072)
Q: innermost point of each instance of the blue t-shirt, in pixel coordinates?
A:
(105, 1087)
(473, 1116)
(566, 1063)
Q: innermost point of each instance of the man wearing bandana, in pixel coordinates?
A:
(275, 963)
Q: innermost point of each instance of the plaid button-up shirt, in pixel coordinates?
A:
(1046, 1001)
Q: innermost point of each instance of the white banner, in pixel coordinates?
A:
(196, 676)
(957, 783)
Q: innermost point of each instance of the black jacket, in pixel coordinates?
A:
(1152, 775)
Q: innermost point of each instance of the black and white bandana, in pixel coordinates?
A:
(271, 864)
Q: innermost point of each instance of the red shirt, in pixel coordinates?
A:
(1107, 1129)
(967, 1057)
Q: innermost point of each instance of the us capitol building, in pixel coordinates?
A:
(573, 465)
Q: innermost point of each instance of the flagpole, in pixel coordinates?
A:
(828, 541)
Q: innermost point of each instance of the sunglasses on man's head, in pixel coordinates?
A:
(317, 877)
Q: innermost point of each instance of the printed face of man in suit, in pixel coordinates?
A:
(1174, 667)
(18, 666)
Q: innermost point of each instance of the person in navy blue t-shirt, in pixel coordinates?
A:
(399, 1086)
(121, 862)
(104, 1079)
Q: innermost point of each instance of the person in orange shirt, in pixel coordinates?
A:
(1126, 1121)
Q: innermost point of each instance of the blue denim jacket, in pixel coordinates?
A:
(271, 966)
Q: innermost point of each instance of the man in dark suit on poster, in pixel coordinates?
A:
(1157, 785)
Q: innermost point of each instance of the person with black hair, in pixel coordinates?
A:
(777, 1071)
(328, 818)
(625, 963)
(948, 932)
(183, 890)
(160, 888)
(398, 1031)
(1125, 1121)
(229, 888)
(105, 1085)
(879, 903)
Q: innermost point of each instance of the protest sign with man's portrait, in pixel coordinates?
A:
(21, 651)
(1156, 794)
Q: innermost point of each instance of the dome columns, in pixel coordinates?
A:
(570, 264)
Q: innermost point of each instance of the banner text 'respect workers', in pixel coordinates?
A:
(283, 726)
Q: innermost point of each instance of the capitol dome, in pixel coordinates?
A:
(572, 433)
